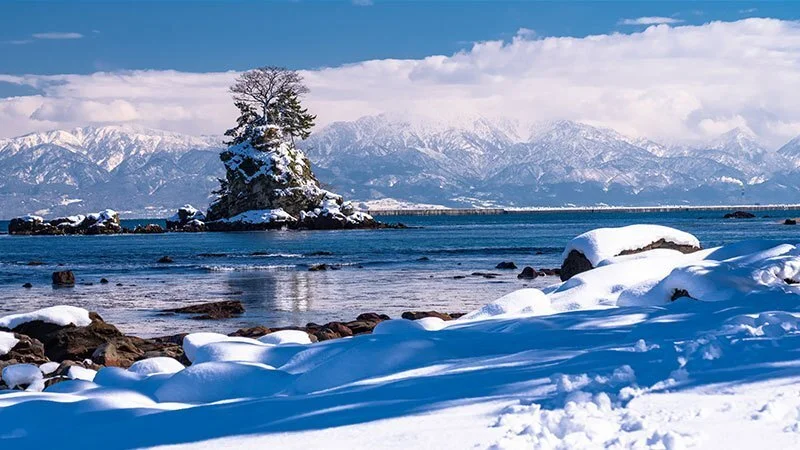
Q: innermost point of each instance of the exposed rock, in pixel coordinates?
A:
(104, 222)
(35, 263)
(790, 222)
(187, 219)
(27, 350)
(576, 262)
(506, 265)
(103, 281)
(165, 260)
(215, 310)
(152, 228)
(70, 342)
(739, 215)
(64, 278)
(416, 315)
(550, 272)
(118, 352)
(321, 267)
(678, 293)
(252, 332)
(527, 273)
(27, 285)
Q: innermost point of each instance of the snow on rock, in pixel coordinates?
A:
(19, 375)
(80, 373)
(188, 218)
(7, 342)
(222, 381)
(286, 337)
(589, 249)
(161, 364)
(523, 301)
(62, 315)
(49, 367)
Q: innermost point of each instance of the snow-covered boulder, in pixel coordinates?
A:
(188, 218)
(590, 249)
(103, 222)
(20, 376)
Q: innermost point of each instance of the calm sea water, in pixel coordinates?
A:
(386, 271)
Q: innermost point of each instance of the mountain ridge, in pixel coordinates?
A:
(482, 162)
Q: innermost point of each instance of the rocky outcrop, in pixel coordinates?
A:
(528, 273)
(215, 310)
(739, 215)
(188, 219)
(152, 228)
(507, 265)
(104, 222)
(26, 351)
(576, 262)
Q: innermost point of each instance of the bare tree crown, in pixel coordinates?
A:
(260, 87)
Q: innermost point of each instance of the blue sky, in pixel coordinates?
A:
(83, 37)
(678, 72)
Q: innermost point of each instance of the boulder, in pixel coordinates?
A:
(165, 260)
(416, 315)
(739, 215)
(188, 219)
(528, 273)
(214, 310)
(27, 285)
(790, 222)
(152, 228)
(70, 342)
(252, 332)
(27, 350)
(509, 265)
(64, 278)
(573, 264)
(119, 352)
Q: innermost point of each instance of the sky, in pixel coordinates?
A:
(675, 71)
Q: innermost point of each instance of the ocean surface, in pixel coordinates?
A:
(385, 271)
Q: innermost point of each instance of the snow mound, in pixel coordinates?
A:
(222, 381)
(405, 326)
(261, 216)
(61, 315)
(161, 364)
(286, 337)
(605, 243)
(521, 302)
(194, 341)
(7, 342)
(17, 375)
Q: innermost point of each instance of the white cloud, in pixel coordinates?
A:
(669, 83)
(57, 35)
(650, 21)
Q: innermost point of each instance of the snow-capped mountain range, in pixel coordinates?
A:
(479, 161)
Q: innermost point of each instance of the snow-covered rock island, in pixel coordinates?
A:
(268, 180)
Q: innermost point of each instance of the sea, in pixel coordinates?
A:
(435, 264)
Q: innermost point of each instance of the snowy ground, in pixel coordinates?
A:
(565, 368)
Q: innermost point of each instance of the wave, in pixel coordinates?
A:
(248, 268)
(483, 250)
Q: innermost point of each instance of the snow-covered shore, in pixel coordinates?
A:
(654, 350)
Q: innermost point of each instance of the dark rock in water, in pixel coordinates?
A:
(104, 222)
(64, 278)
(252, 332)
(152, 228)
(459, 277)
(103, 281)
(35, 263)
(549, 272)
(215, 310)
(485, 274)
(372, 317)
(188, 219)
(506, 265)
(424, 258)
(416, 315)
(27, 285)
(320, 253)
(527, 273)
(790, 222)
(739, 215)
(321, 267)
(165, 260)
(27, 351)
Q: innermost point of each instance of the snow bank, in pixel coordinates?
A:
(7, 342)
(222, 381)
(194, 341)
(160, 364)
(521, 302)
(58, 315)
(604, 243)
(21, 375)
(286, 337)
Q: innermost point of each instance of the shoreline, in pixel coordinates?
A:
(579, 209)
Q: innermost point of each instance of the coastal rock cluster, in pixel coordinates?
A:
(86, 342)
(104, 222)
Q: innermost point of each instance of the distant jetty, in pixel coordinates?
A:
(576, 209)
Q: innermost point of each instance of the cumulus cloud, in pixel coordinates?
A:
(674, 84)
(650, 21)
(57, 35)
